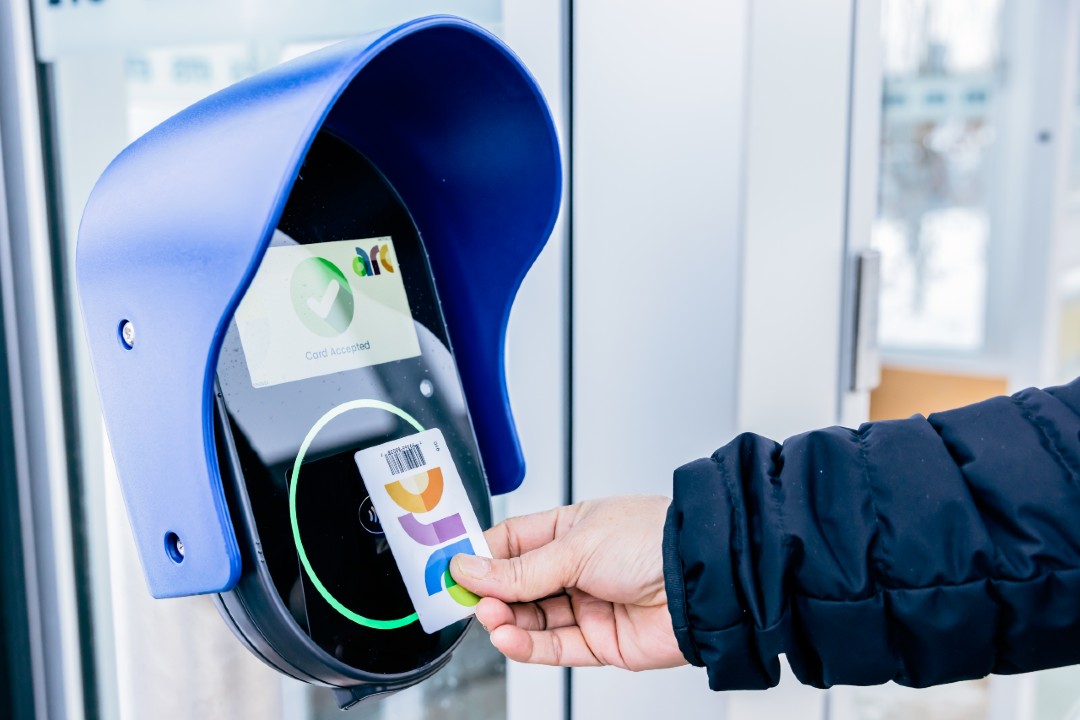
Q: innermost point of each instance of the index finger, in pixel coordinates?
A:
(519, 535)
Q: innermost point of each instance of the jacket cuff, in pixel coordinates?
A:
(706, 549)
(676, 590)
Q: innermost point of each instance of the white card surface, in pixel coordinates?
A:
(427, 518)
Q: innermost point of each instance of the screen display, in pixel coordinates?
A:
(318, 309)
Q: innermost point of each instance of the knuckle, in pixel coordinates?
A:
(513, 543)
(541, 617)
(556, 649)
(515, 573)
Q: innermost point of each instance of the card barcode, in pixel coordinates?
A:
(405, 458)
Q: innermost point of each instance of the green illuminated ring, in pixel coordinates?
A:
(319, 425)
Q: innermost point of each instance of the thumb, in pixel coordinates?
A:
(534, 575)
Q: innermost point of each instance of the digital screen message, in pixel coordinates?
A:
(324, 308)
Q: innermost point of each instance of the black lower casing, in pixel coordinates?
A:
(255, 613)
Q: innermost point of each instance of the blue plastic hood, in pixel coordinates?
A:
(178, 224)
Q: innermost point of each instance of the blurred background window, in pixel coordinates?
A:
(940, 87)
(979, 296)
(1068, 355)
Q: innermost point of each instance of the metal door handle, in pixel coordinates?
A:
(866, 356)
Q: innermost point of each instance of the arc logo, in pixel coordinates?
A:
(421, 493)
(366, 264)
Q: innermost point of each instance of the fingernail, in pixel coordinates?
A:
(473, 566)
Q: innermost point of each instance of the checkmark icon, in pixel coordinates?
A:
(323, 306)
(321, 297)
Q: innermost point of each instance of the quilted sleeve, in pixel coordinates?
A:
(923, 551)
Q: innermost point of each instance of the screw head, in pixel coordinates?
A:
(127, 334)
(174, 547)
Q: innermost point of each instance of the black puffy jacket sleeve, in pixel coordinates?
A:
(923, 551)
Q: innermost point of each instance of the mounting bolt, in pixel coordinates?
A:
(127, 334)
(174, 547)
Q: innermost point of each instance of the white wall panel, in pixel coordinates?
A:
(658, 92)
(658, 137)
(795, 214)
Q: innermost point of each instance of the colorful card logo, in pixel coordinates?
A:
(427, 517)
(421, 493)
(366, 264)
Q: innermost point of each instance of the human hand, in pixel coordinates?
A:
(577, 586)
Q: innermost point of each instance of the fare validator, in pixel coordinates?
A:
(295, 295)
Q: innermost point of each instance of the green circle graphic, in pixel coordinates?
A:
(327, 595)
(321, 297)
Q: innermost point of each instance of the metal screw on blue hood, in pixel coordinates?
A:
(127, 334)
